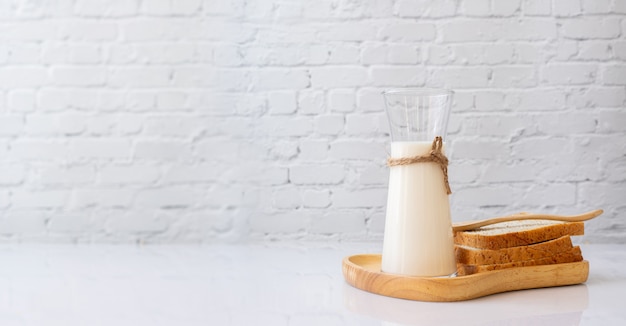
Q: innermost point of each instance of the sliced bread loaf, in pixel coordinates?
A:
(572, 255)
(516, 233)
(474, 256)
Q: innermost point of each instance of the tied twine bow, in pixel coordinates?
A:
(435, 156)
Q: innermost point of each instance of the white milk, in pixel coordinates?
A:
(418, 232)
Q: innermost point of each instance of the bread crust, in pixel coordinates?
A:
(570, 256)
(484, 238)
(473, 256)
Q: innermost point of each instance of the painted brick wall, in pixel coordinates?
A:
(227, 120)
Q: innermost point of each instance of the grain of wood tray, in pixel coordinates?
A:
(363, 272)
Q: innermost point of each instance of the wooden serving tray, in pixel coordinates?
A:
(363, 272)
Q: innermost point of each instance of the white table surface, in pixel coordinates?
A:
(266, 284)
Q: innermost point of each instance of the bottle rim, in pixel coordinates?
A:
(418, 92)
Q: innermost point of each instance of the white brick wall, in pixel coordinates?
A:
(226, 120)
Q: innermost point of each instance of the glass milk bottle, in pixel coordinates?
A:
(418, 238)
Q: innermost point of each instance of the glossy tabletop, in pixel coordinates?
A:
(267, 284)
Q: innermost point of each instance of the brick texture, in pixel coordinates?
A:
(204, 121)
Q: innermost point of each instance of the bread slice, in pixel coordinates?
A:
(572, 255)
(474, 256)
(517, 233)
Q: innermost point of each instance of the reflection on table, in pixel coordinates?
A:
(550, 306)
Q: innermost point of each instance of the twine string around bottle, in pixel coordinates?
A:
(435, 156)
